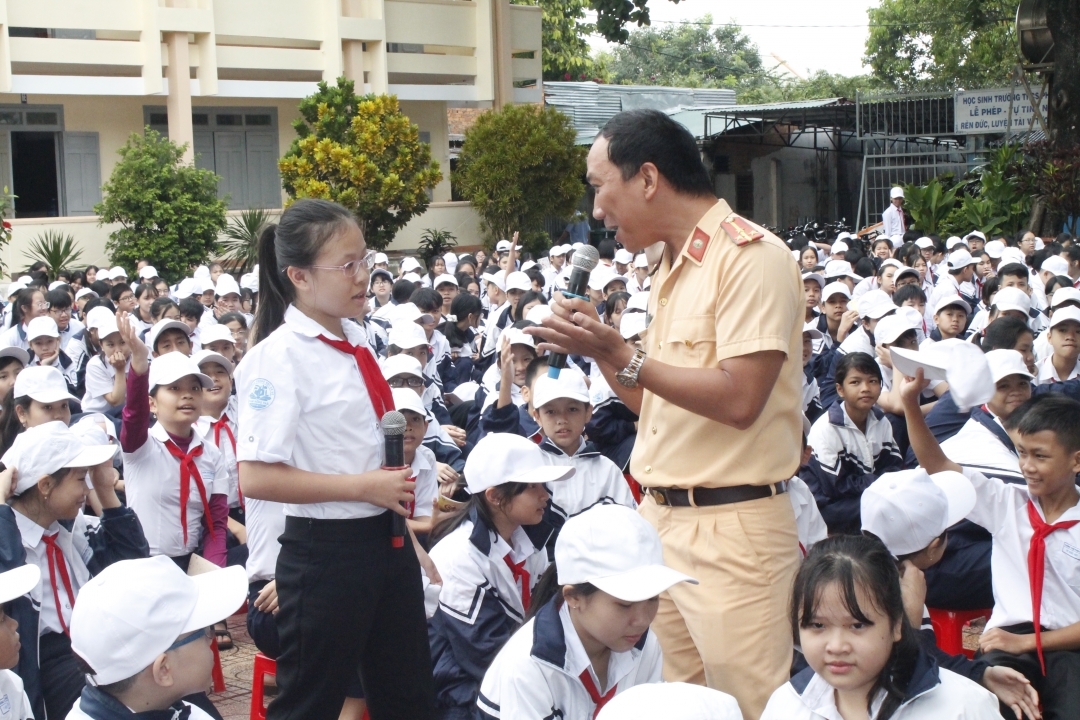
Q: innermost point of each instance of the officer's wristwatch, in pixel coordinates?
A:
(628, 376)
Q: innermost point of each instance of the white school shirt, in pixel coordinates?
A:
(194, 712)
(1047, 373)
(14, 705)
(15, 337)
(74, 328)
(265, 523)
(305, 404)
(977, 448)
(99, 380)
(1001, 508)
(808, 520)
(152, 482)
(596, 480)
(524, 683)
(76, 554)
(1041, 347)
(426, 476)
(226, 448)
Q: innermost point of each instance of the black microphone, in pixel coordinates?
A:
(583, 262)
(393, 427)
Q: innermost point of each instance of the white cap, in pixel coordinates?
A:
(1013, 255)
(896, 192)
(381, 258)
(897, 241)
(172, 366)
(15, 352)
(624, 256)
(205, 284)
(118, 272)
(498, 279)
(504, 246)
(1056, 265)
(975, 233)
(812, 328)
(407, 334)
(18, 581)
(56, 283)
(148, 272)
(187, 287)
(558, 250)
(450, 261)
(949, 300)
(633, 323)
(250, 281)
(615, 549)
(952, 242)
(891, 262)
(671, 701)
(161, 326)
(840, 268)
(1012, 298)
(537, 313)
(835, 288)
(201, 272)
(924, 243)
(15, 287)
(968, 373)
(641, 261)
(43, 383)
(406, 399)
(515, 336)
(99, 315)
(961, 258)
(444, 279)
(994, 249)
(1004, 363)
(816, 277)
(409, 264)
(209, 356)
(26, 280)
(908, 509)
(1065, 314)
(409, 312)
(412, 277)
(380, 272)
(839, 247)
(568, 385)
(401, 364)
(500, 458)
(906, 271)
(600, 280)
(638, 301)
(214, 333)
(42, 326)
(83, 292)
(1064, 295)
(226, 285)
(518, 280)
(889, 329)
(48, 448)
(134, 610)
(875, 304)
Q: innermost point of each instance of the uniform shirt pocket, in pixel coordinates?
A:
(690, 341)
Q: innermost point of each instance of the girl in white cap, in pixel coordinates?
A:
(43, 525)
(40, 395)
(489, 565)
(591, 640)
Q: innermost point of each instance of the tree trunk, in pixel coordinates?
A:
(1063, 17)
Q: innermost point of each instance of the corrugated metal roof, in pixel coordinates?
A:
(792, 105)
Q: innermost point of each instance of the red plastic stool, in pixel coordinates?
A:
(218, 676)
(949, 628)
(263, 666)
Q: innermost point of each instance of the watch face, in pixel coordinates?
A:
(626, 380)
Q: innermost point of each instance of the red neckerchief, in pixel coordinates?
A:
(597, 698)
(57, 563)
(520, 575)
(218, 425)
(378, 390)
(1036, 567)
(190, 471)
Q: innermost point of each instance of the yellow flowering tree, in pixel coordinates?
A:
(363, 153)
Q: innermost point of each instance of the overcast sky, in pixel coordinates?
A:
(837, 48)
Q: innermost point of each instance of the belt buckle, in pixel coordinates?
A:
(660, 495)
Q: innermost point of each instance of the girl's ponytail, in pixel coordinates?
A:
(295, 241)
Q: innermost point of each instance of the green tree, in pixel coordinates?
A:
(565, 30)
(694, 54)
(776, 88)
(363, 153)
(167, 210)
(518, 166)
(917, 45)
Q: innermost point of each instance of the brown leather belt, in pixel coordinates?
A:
(701, 497)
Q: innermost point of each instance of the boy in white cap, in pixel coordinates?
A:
(216, 338)
(590, 642)
(623, 259)
(1064, 337)
(872, 307)
(639, 281)
(561, 407)
(403, 372)
(951, 314)
(672, 701)
(892, 220)
(910, 512)
(168, 336)
(488, 564)
(13, 584)
(959, 280)
(42, 524)
(106, 372)
(143, 630)
(420, 459)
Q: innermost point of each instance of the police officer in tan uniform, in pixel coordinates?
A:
(718, 391)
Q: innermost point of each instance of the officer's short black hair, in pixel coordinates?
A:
(636, 137)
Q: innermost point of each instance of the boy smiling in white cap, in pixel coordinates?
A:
(143, 629)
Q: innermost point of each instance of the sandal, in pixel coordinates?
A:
(224, 639)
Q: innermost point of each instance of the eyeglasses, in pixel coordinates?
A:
(42, 306)
(206, 632)
(352, 268)
(413, 382)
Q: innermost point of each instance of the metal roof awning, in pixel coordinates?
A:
(782, 124)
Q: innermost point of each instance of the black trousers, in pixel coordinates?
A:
(1059, 690)
(348, 601)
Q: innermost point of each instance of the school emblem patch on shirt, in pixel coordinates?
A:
(262, 394)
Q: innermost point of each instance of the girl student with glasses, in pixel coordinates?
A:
(29, 304)
(362, 604)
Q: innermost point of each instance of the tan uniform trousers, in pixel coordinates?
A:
(731, 632)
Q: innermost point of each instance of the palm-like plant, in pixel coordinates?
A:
(435, 243)
(240, 248)
(55, 249)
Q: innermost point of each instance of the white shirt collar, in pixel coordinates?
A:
(158, 431)
(301, 324)
(577, 660)
(32, 532)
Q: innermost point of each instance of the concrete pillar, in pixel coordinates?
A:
(179, 103)
(502, 48)
(353, 63)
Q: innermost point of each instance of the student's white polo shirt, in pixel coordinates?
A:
(305, 404)
(1047, 373)
(265, 524)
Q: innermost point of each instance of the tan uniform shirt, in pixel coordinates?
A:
(719, 300)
